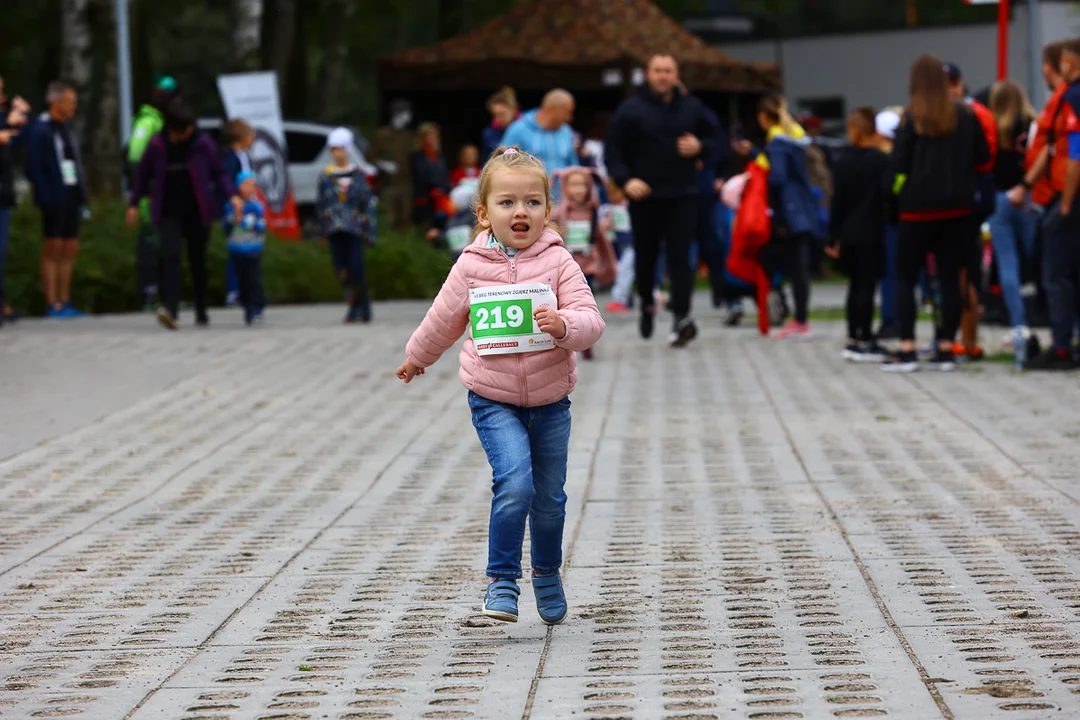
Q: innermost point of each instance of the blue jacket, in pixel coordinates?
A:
(43, 164)
(490, 138)
(795, 209)
(247, 236)
(555, 148)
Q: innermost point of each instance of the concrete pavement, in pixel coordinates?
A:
(262, 523)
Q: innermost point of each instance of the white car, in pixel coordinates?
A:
(308, 157)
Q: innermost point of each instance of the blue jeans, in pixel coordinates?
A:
(888, 283)
(5, 234)
(1012, 228)
(527, 450)
(1061, 265)
(232, 280)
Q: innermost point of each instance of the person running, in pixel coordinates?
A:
(651, 151)
(545, 132)
(796, 210)
(54, 167)
(346, 212)
(1012, 229)
(938, 147)
(857, 229)
(245, 234)
(237, 137)
(181, 173)
(147, 124)
(519, 400)
(1060, 227)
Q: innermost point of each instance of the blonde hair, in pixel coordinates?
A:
(506, 97)
(236, 130)
(510, 158)
(1010, 106)
(775, 108)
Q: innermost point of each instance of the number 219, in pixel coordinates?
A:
(493, 320)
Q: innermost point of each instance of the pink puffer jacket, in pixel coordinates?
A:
(524, 379)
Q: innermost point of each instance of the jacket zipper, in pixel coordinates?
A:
(521, 356)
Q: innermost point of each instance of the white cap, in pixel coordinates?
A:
(886, 123)
(340, 137)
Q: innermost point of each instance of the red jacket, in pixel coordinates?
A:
(990, 130)
(1042, 192)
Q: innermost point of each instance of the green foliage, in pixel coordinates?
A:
(402, 265)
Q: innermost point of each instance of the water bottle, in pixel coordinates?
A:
(1020, 343)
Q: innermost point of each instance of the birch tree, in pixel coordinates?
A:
(246, 17)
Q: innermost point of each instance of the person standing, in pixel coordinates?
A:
(147, 124)
(55, 170)
(503, 107)
(348, 222)
(885, 124)
(182, 174)
(431, 182)
(245, 234)
(938, 147)
(651, 151)
(237, 136)
(545, 133)
(13, 116)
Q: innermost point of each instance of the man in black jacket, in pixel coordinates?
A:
(12, 117)
(652, 148)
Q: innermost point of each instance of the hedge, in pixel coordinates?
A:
(401, 266)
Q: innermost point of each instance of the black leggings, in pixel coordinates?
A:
(173, 232)
(790, 255)
(950, 242)
(864, 268)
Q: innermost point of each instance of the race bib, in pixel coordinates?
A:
(620, 219)
(458, 237)
(578, 235)
(502, 318)
(69, 172)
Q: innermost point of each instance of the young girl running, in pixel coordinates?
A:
(530, 310)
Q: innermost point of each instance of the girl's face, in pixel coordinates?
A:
(503, 115)
(431, 140)
(247, 141)
(577, 188)
(515, 209)
(340, 155)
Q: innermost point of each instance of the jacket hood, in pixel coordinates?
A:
(797, 136)
(480, 245)
(592, 200)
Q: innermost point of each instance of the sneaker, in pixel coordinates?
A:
(202, 319)
(550, 598)
(501, 600)
(734, 316)
(975, 353)
(901, 362)
(776, 307)
(888, 331)
(1052, 360)
(943, 361)
(648, 318)
(72, 312)
(874, 353)
(232, 299)
(794, 330)
(684, 331)
(55, 312)
(852, 352)
(166, 319)
(617, 308)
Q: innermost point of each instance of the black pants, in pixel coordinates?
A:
(950, 242)
(249, 276)
(710, 247)
(863, 266)
(174, 232)
(347, 252)
(790, 256)
(147, 260)
(671, 222)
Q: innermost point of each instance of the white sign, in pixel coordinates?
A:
(502, 321)
(254, 97)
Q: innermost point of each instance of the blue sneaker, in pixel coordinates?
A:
(70, 311)
(55, 313)
(550, 598)
(501, 600)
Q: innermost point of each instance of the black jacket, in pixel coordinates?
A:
(860, 179)
(940, 171)
(641, 142)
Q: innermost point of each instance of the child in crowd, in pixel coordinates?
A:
(857, 229)
(346, 210)
(237, 137)
(468, 167)
(519, 395)
(615, 216)
(578, 219)
(245, 232)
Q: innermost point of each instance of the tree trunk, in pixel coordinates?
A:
(76, 62)
(338, 20)
(279, 31)
(295, 79)
(102, 156)
(247, 18)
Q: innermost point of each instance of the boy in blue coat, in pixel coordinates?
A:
(246, 232)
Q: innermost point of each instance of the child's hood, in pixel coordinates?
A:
(479, 246)
(592, 200)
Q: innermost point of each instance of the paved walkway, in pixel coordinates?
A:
(262, 524)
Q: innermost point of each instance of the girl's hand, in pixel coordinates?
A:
(549, 321)
(408, 371)
(833, 251)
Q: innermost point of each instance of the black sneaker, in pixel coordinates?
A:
(734, 317)
(647, 320)
(684, 331)
(888, 332)
(943, 361)
(202, 319)
(1052, 360)
(901, 362)
(852, 352)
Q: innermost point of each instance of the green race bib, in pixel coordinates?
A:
(502, 322)
(578, 235)
(458, 237)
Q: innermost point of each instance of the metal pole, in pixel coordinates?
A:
(1003, 40)
(1035, 87)
(123, 68)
